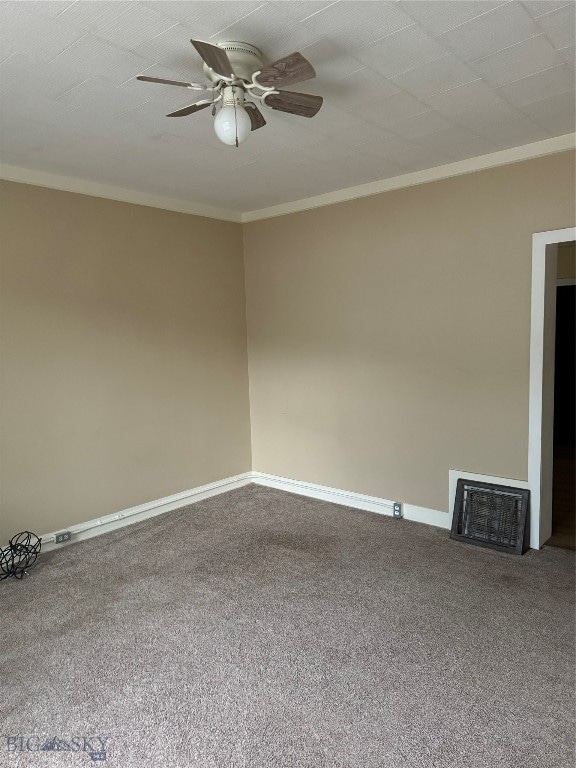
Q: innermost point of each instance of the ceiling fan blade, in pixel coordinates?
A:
(303, 104)
(191, 109)
(147, 79)
(290, 70)
(256, 117)
(216, 57)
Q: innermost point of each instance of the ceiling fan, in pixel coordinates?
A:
(235, 70)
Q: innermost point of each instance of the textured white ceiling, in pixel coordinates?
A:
(408, 85)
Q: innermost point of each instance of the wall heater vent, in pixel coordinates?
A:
(494, 516)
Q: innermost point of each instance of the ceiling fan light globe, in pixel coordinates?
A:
(232, 122)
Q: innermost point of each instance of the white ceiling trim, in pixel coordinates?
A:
(483, 162)
(95, 189)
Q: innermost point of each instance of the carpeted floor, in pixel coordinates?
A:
(260, 629)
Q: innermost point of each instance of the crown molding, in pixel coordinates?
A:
(483, 162)
(95, 189)
(480, 163)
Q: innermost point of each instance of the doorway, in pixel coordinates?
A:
(564, 458)
(545, 247)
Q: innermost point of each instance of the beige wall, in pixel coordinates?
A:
(123, 356)
(566, 261)
(389, 336)
(388, 342)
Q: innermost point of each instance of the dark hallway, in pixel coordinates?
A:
(564, 482)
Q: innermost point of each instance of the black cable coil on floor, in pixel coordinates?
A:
(19, 555)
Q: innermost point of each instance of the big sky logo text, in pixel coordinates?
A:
(93, 746)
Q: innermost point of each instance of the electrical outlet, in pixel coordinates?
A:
(397, 512)
(63, 537)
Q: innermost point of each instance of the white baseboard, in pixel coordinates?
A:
(101, 525)
(355, 500)
(108, 523)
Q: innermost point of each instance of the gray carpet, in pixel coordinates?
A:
(260, 629)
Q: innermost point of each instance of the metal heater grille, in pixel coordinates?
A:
(492, 516)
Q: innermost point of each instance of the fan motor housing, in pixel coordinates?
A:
(245, 59)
